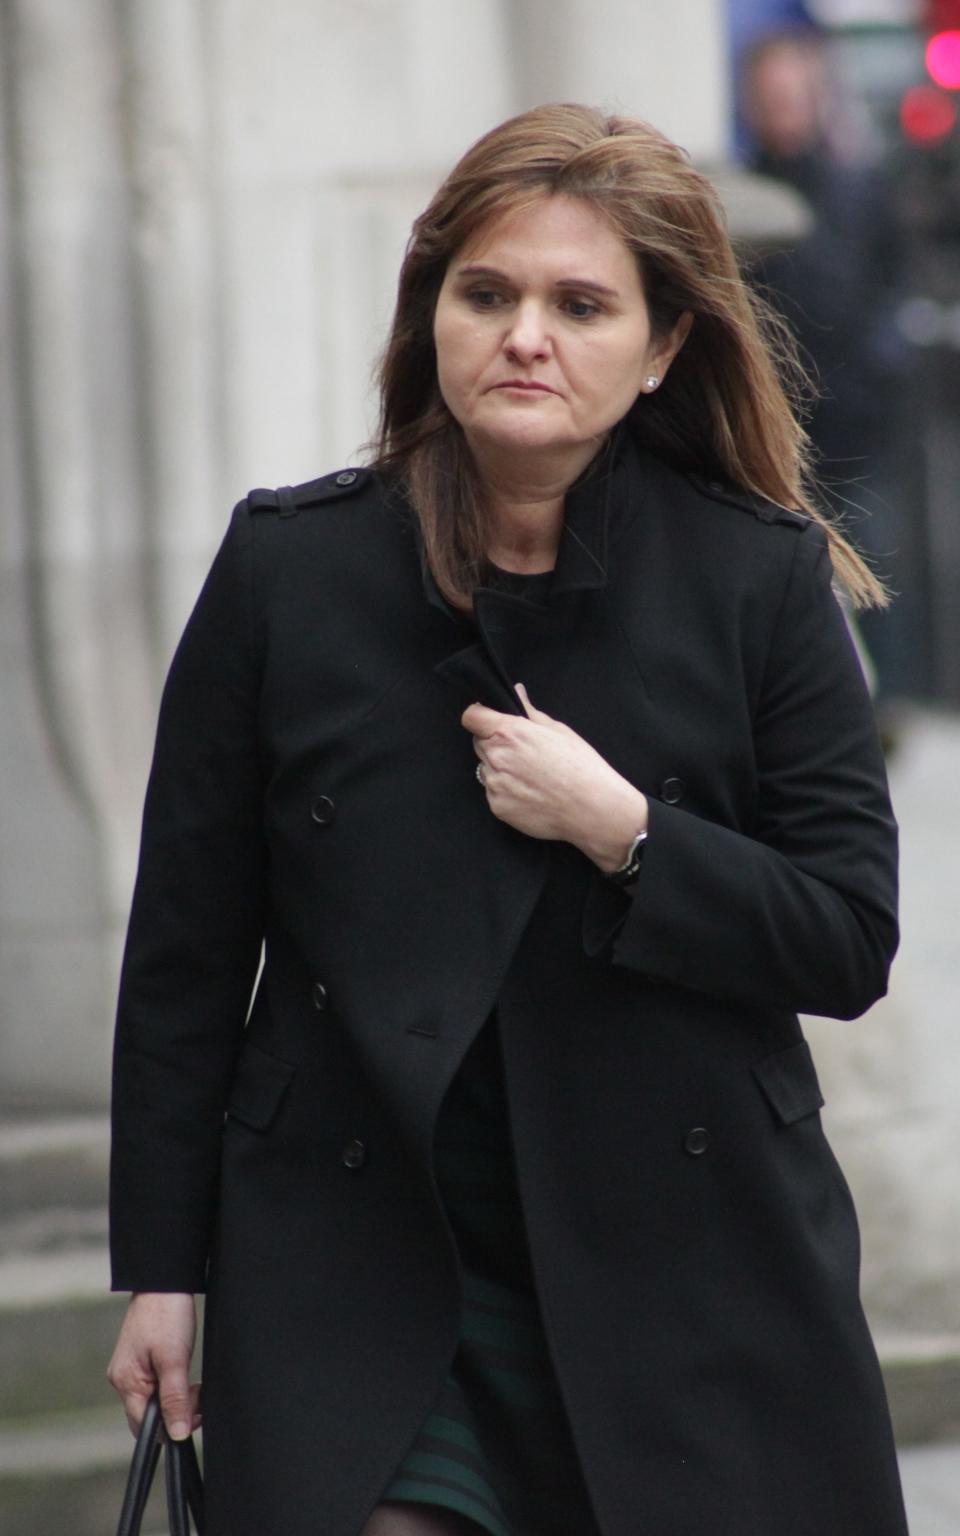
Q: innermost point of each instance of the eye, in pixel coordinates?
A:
(485, 298)
(580, 309)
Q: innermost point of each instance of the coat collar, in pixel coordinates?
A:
(582, 554)
(485, 667)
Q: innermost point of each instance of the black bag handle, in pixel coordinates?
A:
(182, 1476)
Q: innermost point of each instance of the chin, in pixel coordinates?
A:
(525, 437)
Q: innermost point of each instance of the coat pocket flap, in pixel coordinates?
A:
(258, 1086)
(789, 1080)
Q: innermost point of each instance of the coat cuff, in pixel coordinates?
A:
(605, 911)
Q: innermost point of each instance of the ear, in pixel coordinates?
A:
(665, 350)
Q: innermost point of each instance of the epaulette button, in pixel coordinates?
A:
(346, 477)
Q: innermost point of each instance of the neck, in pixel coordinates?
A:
(526, 502)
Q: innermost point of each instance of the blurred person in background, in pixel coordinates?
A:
(509, 1191)
(839, 289)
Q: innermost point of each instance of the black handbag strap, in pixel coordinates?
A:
(184, 1485)
(184, 1488)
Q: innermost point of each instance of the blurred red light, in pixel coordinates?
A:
(926, 115)
(943, 59)
(941, 15)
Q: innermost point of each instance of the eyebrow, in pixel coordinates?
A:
(585, 283)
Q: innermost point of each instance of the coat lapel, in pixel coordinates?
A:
(487, 669)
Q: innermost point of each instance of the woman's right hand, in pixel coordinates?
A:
(153, 1350)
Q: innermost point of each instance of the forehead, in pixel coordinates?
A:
(551, 232)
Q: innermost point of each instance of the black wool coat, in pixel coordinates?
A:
(693, 1240)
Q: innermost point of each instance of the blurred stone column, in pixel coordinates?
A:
(72, 542)
(663, 62)
(334, 122)
(178, 317)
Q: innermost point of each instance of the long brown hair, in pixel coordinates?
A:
(728, 406)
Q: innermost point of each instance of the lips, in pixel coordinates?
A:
(527, 384)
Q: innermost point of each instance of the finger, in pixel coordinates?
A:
(176, 1400)
(133, 1380)
(135, 1406)
(481, 721)
(524, 697)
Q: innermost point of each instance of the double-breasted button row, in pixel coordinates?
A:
(323, 810)
(354, 1155)
(696, 1141)
(672, 791)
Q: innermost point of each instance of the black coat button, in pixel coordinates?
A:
(322, 810)
(671, 791)
(346, 477)
(354, 1155)
(696, 1141)
(319, 995)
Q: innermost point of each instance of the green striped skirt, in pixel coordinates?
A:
(496, 1446)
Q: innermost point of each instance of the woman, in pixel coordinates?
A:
(511, 1199)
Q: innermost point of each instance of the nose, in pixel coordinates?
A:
(527, 338)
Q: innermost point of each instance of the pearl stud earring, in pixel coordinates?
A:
(652, 381)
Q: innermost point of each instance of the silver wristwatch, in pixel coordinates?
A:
(630, 868)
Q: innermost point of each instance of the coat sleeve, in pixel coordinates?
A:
(801, 914)
(194, 939)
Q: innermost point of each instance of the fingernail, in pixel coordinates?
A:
(180, 1430)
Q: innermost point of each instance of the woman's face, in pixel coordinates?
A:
(543, 335)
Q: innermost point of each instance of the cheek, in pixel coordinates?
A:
(617, 377)
(463, 356)
(631, 379)
(449, 361)
(634, 364)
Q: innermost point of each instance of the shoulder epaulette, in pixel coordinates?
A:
(288, 500)
(748, 501)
